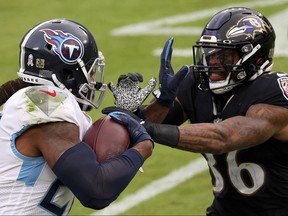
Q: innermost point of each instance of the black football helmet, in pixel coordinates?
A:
(64, 53)
(235, 30)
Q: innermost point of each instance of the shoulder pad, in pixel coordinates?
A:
(46, 98)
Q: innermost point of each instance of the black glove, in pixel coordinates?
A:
(137, 132)
(134, 77)
(164, 134)
(128, 94)
(168, 81)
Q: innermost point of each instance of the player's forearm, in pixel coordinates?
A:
(162, 133)
(199, 138)
(235, 133)
(155, 112)
(203, 138)
(96, 185)
(145, 148)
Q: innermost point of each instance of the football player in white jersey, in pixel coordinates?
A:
(43, 162)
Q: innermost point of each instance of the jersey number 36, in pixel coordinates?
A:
(235, 170)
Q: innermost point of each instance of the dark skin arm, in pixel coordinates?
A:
(155, 112)
(51, 140)
(261, 122)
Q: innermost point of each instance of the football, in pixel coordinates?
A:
(107, 138)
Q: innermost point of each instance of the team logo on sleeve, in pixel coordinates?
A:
(283, 84)
(68, 47)
(248, 26)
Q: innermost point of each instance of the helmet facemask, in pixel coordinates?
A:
(220, 65)
(91, 88)
(94, 87)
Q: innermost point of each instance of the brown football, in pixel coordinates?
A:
(107, 138)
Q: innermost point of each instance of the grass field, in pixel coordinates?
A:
(135, 49)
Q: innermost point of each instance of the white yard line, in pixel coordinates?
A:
(280, 27)
(166, 26)
(156, 187)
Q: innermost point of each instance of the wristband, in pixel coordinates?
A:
(163, 134)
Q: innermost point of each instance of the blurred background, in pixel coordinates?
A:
(131, 34)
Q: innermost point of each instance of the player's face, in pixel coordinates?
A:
(221, 62)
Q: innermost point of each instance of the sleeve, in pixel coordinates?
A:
(186, 94)
(270, 88)
(96, 185)
(175, 115)
(282, 87)
(43, 104)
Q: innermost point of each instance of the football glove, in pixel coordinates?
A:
(128, 94)
(168, 82)
(161, 133)
(137, 132)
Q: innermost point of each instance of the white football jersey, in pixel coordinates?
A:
(27, 185)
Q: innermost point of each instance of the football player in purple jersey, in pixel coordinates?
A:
(237, 109)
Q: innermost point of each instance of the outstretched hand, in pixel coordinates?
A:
(128, 94)
(168, 81)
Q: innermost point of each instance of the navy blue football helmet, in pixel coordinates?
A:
(64, 53)
(235, 31)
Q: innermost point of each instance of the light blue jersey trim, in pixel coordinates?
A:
(31, 167)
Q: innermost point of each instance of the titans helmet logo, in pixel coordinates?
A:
(248, 26)
(68, 47)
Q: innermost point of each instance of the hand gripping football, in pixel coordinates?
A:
(107, 138)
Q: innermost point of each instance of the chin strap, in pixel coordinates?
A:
(265, 67)
(253, 51)
(62, 86)
(216, 87)
(58, 83)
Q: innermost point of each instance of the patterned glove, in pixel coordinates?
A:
(137, 132)
(128, 94)
(168, 81)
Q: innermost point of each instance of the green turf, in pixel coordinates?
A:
(125, 54)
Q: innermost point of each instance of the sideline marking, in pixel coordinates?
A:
(156, 187)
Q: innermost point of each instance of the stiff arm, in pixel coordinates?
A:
(261, 122)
